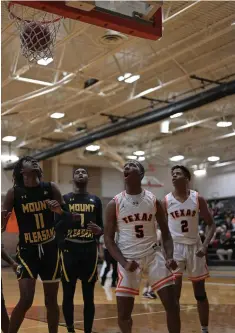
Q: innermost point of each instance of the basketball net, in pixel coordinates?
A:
(38, 31)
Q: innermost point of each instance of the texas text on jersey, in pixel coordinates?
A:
(136, 235)
(183, 218)
(90, 208)
(35, 220)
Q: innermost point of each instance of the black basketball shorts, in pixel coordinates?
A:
(39, 260)
(79, 261)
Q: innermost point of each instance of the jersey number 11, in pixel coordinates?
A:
(39, 221)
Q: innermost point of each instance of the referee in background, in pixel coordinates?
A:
(79, 250)
(109, 260)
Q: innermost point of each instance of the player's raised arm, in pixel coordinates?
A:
(208, 219)
(166, 236)
(110, 227)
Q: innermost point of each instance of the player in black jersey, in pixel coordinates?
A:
(80, 252)
(37, 252)
(4, 315)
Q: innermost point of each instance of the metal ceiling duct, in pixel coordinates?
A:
(122, 126)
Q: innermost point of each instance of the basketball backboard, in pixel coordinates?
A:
(153, 185)
(137, 18)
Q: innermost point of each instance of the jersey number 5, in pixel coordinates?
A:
(139, 231)
(184, 226)
(39, 221)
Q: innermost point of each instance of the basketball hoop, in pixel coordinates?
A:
(38, 30)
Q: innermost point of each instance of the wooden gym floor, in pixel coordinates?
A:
(148, 314)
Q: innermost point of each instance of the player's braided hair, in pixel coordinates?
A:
(17, 175)
(185, 170)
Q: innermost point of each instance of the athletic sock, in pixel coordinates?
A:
(145, 290)
(149, 289)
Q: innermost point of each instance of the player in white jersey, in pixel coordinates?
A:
(183, 207)
(132, 214)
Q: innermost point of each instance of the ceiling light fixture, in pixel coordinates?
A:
(176, 115)
(213, 158)
(132, 79)
(131, 157)
(224, 124)
(44, 62)
(139, 153)
(164, 126)
(57, 115)
(177, 158)
(93, 148)
(141, 158)
(123, 77)
(199, 172)
(9, 158)
(9, 138)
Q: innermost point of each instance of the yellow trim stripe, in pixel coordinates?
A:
(63, 267)
(57, 265)
(26, 266)
(93, 273)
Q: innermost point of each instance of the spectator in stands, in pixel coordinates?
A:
(229, 224)
(226, 244)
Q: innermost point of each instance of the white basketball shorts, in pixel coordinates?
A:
(159, 276)
(196, 267)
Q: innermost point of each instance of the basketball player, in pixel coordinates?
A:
(80, 253)
(133, 214)
(183, 207)
(4, 315)
(37, 253)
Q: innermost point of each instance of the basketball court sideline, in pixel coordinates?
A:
(220, 290)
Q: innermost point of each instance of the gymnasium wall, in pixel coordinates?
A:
(105, 182)
(218, 183)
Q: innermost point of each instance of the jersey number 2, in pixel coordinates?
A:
(139, 231)
(39, 221)
(184, 226)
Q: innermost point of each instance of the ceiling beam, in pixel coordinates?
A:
(123, 126)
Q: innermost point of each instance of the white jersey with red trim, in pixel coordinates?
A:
(136, 233)
(183, 218)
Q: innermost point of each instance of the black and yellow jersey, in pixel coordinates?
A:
(90, 208)
(35, 220)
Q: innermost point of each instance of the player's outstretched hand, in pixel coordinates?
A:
(54, 206)
(94, 228)
(171, 264)
(131, 266)
(4, 219)
(201, 252)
